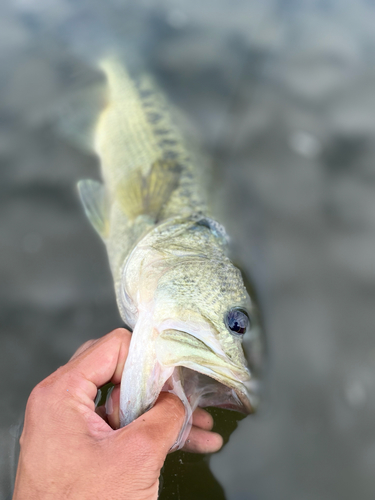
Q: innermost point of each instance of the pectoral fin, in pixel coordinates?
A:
(95, 204)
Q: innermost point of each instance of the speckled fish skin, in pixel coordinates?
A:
(174, 282)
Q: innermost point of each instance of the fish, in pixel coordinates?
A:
(176, 287)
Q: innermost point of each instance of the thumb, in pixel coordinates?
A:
(158, 429)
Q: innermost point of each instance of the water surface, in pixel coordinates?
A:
(282, 94)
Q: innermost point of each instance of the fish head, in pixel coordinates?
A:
(192, 301)
(204, 312)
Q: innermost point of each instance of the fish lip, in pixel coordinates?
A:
(245, 390)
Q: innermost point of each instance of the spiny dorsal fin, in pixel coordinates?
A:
(147, 194)
(94, 201)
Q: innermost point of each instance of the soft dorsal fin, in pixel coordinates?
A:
(94, 201)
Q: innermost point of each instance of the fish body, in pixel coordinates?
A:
(175, 285)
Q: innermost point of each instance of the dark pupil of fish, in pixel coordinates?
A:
(237, 321)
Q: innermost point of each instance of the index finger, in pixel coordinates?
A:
(104, 360)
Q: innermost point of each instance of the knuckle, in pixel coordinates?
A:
(142, 450)
(38, 392)
(86, 345)
(37, 399)
(49, 388)
(120, 333)
(83, 348)
(145, 441)
(156, 438)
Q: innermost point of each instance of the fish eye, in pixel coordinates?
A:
(237, 321)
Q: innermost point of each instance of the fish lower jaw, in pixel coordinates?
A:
(196, 389)
(205, 371)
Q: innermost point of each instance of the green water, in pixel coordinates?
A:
(187, 476)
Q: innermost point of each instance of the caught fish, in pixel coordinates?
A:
(175, 286)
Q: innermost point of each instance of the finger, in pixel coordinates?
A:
(123, 354)
(113, 409)
(197, 442)
(100, 410)
(202, 419)
(96, 365)
(202, 441)
(82, 348)
(158, 427)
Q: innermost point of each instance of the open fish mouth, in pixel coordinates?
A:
(203, 391)
(195, 389)
(186, 359)
(202, 377)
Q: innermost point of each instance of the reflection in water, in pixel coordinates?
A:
(187, 476)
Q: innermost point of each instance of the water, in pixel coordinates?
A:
(282, 93)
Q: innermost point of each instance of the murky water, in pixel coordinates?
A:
(282, 94)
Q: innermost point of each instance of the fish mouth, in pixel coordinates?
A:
(203, 375)
(187, 359)
(203, 391)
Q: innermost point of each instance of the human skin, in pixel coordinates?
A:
(68, 451)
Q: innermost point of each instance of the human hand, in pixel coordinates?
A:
(68, 451)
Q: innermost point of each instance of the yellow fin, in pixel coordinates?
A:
(141, 194)
(94, 201)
